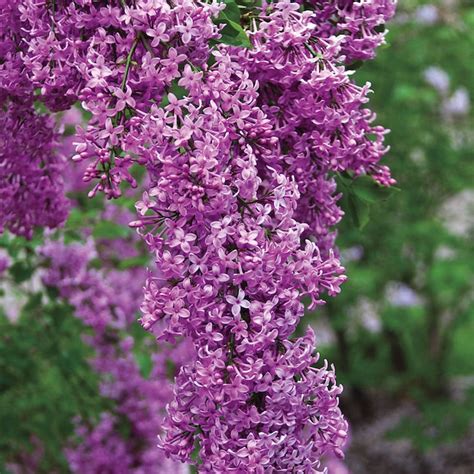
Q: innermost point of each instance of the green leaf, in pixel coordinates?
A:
(40, 107)
(359, 195)
(80, 218)
(355, 65)
(144, 363)
(232, 32)
(359, 211)
(234, 35)
(231, 11)
(138, 261)
(110, 230)
(21, 271)
(52, 292)
(34, 302)
(69, 130)
(365, 188)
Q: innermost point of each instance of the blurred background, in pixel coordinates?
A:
(401, 334)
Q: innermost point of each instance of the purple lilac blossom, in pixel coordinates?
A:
(361, 24)
(31, 184)
(241, 147)
(73, 174)
(28, 462)
(108, 302)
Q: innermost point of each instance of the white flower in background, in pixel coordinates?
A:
(444, 252)
(426, 14)
(13, 296)
(352, 254)
(400, 295)
(437, 78)
(324, 333)
(418, 156)
(365, 314)
(458, 105)
(11, 301)
(457, 213)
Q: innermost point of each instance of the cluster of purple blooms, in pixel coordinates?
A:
(31, 168)
(241, 147)
(31, 182)
(361, 24)
(106, 301)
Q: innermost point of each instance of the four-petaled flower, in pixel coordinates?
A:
(124, 99)
(182, 240)
(158, 34)
(111, 132)
(238, 302)
(187, 30)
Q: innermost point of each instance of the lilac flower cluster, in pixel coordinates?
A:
(316, 112)
(31, 183)
(360, 23)
(241, 147)
(139, 400)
